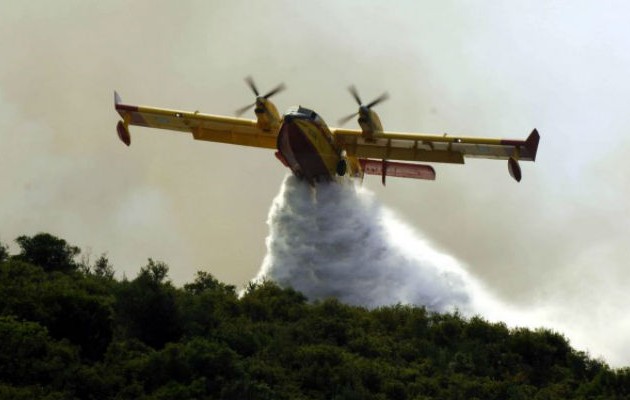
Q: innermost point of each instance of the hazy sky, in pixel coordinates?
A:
(498, 68)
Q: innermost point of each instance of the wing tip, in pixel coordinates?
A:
(123, 133)
(514, 169)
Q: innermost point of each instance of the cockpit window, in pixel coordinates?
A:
(303, 112)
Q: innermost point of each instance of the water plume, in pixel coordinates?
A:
(337, 240)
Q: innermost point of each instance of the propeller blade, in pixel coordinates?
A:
(240, 111)
(379, 99)
(355, 94)
(275, 90)
(343, 120)
(252, 85)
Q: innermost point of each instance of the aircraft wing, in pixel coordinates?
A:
(213, 128)
(436, 148)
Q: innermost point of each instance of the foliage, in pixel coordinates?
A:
(146, 307)
(68, 305)
(103, 268)
(48, 252)
(68, 332)
(29, 358)
(4, 252)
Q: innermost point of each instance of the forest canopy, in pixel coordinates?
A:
(69, 329)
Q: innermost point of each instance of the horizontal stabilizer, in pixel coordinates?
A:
(397, 169)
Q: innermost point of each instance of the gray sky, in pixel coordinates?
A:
(556, 241)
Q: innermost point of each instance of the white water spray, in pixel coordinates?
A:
(337, 241)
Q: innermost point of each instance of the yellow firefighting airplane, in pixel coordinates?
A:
(316, 152)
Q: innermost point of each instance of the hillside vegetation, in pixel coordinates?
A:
(70, 330)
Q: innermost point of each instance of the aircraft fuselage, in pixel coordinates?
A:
(307, 146)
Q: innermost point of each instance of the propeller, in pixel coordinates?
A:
(250, 82)
(362, 108)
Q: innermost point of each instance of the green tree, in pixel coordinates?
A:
(267, 300)
(185, 365)
(69, 306)
(29, 356)
(206, 304)
(204, 281)
(147, 307)
(87, 335)
(48, 252)
(4, 252)
(86, 320)
(103, 268)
